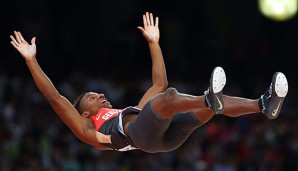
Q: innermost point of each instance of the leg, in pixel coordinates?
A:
(157, 123)
(237, 106)
(234, 107)
(181, 127)
(150, 133)
(171, 102)
(270, 103)
(183, 124)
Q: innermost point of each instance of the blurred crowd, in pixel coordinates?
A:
(95, 46)
(32, 136)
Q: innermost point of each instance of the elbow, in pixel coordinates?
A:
(162, 86)
(165, 85)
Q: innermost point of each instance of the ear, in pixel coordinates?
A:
(86, 114)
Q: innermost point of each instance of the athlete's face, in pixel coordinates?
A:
(92, 102)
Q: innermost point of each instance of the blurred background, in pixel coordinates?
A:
(96, 46)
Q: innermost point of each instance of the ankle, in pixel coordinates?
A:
(261, 104)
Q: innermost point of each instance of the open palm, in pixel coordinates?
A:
(26, 50)
(150, 30)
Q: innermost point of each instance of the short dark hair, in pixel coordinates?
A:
(77, 102)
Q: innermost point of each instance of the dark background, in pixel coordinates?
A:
(82, 44)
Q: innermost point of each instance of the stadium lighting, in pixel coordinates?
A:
(278, 10)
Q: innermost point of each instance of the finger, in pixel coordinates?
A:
(141, 29)
(151, 19)
(148, 20)
(21, 37)
(156, 21)
(17, 37)
(14, 40)
(14, 45)
(144, 21)
(33, 40)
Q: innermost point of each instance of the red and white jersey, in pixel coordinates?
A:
(103, 115)
(109, 121)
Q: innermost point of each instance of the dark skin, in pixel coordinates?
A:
(80, 124)
(92, 102)
(166, 102)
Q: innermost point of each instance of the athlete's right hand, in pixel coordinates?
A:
(26, 50)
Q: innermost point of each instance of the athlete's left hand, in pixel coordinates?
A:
(150, 30)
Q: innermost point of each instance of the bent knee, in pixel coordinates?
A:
(170, 93)
(163, 103)
(168, 97)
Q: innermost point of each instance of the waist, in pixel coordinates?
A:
(118, 128)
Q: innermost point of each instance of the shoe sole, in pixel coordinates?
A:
(280, 88)
(281, 85)
(218, 81)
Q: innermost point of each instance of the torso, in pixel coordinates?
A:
(104, 115)
(103, 122)
(90, 126)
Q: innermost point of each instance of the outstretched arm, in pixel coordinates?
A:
(78, 124)
(159, 77)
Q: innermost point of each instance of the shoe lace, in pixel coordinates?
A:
(265, 98)
(270, 91)
(207, 98)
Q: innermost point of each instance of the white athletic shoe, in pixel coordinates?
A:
(271, 101)
(213, 95)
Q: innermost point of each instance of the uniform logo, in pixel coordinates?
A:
(98, 116)
(220, 104)
(276, 110)
(111, 114)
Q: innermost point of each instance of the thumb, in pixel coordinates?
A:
(33, 40)
(141, 29)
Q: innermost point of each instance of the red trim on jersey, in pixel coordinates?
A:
(103, 115)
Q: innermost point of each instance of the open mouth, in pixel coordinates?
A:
(104, 101)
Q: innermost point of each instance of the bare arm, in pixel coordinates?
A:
(159, 76)
(69, 115)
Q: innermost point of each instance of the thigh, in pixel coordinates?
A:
(181, 127)
(184, 123)
(148, 129)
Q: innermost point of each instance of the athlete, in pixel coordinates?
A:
(163, 119)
